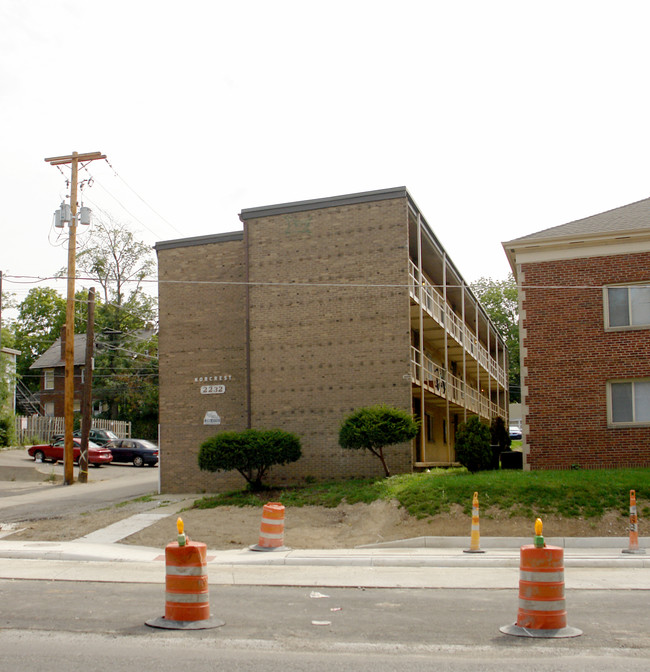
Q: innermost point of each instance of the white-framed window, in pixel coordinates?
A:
(627, 307)
(48, 379)
(48, 409)
(628, 402)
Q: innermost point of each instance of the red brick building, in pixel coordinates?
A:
(585, 340)
(51, 365)
(315, 309)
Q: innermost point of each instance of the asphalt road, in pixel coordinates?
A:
(28, 491)
(101, 627)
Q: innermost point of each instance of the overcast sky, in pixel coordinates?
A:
(501, 117)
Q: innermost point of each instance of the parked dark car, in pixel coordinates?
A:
(99, 437)
(138, 451)
(97, 455)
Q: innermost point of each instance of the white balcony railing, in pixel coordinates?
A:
(435, 379)
(434, 305)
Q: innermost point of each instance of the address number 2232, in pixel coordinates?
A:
(213, 389)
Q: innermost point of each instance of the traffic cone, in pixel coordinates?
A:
(475, 539)
(634, 528)
(187, 605)
(542, 607)
(271, 529)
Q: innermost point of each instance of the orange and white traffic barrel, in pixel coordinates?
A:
(634, 528)
(475, 536)
(542, 605)
(271, 536)
(187, 604)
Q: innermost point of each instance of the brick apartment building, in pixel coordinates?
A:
(585, 338)
(315, 309)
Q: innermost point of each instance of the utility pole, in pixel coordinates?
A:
(68, 452)
(87, 399)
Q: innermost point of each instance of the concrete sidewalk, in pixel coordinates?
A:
(422, 562)
(427, 562)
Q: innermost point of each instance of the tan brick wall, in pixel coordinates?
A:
(323, 342)
(329, 343)
(568, 359)
(201, 335)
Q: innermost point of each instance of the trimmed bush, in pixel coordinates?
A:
(376, 427)
(473, 449)
(251, 452)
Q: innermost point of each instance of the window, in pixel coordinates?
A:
(627, 306)
(629, 402)
(48, 409)
(48, 379)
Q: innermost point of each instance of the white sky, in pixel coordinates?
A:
(501, 117)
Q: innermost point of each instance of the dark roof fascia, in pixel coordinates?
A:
(319, 203)
(199, 240)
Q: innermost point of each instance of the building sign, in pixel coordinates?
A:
(211, 418)
(212, 379)
(213, 389)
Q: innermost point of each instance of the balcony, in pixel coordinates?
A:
(443, 384)
(434, 305)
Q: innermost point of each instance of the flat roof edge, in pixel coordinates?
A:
(199, 240)
(318, 203)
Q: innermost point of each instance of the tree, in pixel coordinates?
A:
(374, 428)
(500, 300)
(251, 452)
(41, 315)
(116, 260)
(126, 364)
(6, 401)
(473, 445)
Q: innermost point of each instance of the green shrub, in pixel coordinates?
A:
(500, 438)
(376, 427)
(251, 452)
(473, 445)
(7, 434)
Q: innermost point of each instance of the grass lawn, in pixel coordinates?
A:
(580, 493)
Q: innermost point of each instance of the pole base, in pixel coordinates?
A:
(206, 624)
(518, 631)
(634, 551)
(257, 547)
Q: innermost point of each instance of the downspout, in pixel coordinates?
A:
(247, 325)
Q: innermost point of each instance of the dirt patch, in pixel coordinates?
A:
(345, 526)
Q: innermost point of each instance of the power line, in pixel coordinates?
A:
(36, 279)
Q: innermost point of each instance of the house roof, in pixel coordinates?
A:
(623, 230)
(51, 358)
(625, 219)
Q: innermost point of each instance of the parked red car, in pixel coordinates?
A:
(97, 455)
